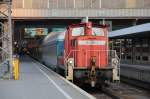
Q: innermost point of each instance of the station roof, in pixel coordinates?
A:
(137, 30)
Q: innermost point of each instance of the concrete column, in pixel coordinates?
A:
(10, 38)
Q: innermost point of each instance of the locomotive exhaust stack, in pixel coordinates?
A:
(88, 29)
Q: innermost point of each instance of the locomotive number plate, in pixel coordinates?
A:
(91, 42)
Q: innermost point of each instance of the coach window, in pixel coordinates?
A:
(77, 31)
(97, 31)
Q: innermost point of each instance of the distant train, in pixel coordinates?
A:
(81, 52)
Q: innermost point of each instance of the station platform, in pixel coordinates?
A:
(38, 82)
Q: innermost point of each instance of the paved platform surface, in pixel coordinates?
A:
(38, 82)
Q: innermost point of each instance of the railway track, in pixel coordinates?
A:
(119, 91)
(136, 83)
(96, 92)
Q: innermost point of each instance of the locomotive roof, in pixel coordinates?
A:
(93, 24)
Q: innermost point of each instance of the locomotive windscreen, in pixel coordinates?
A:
(78, 31)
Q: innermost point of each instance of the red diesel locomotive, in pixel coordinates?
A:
(82, 52)
(86, 52)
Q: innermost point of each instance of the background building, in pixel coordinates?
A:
(81, 8)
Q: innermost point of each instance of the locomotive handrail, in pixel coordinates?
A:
(65, 58)
(116, 56)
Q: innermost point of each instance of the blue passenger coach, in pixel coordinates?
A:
(53, 49)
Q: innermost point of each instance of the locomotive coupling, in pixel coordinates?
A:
(93, 72)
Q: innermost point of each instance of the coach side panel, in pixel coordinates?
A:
(49, 56)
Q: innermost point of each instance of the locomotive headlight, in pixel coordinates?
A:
(70, 61)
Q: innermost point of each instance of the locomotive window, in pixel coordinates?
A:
(78, 31)
(97, 31)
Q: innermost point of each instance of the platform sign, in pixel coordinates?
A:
(58, 30)
(32, 32)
